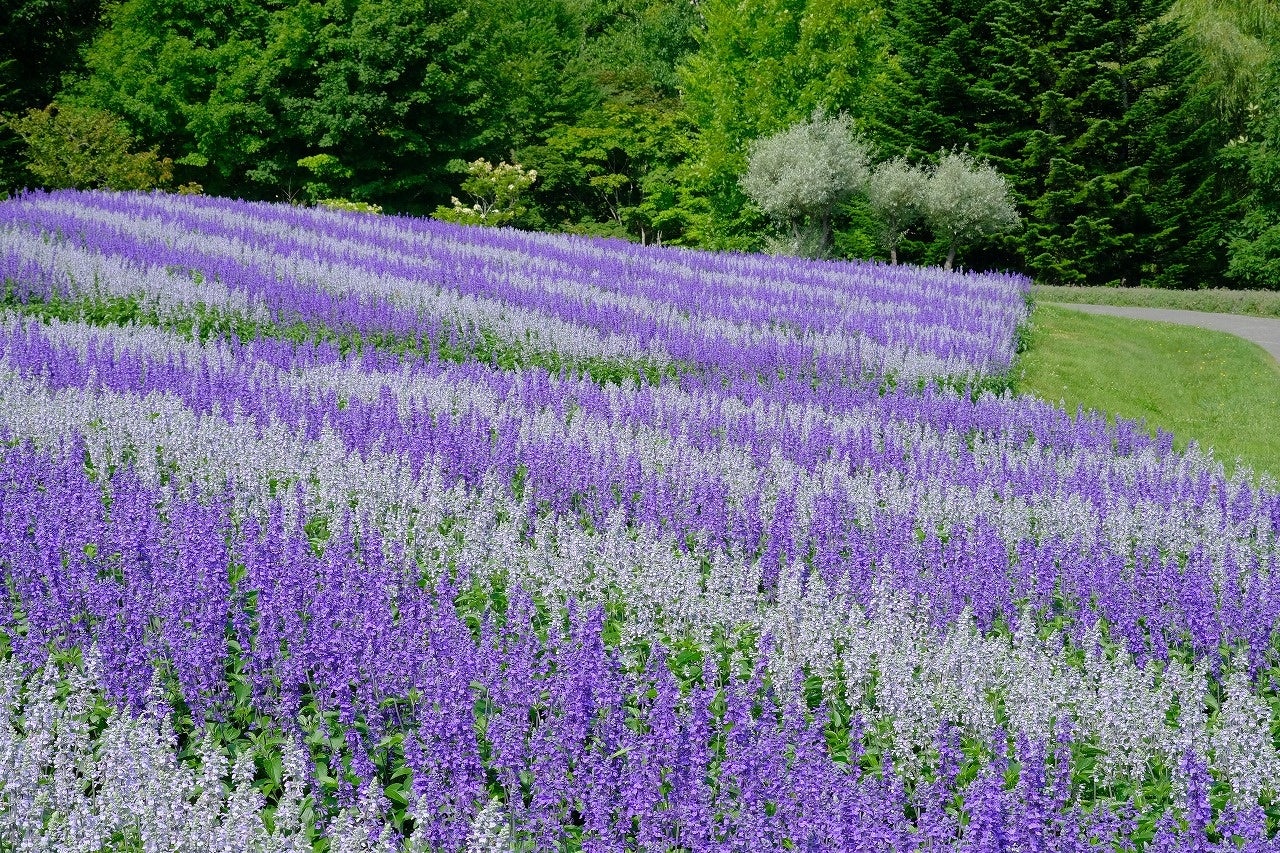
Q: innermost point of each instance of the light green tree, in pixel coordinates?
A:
(760, 66)
(798, 176)
(965, 200)
(83, 148)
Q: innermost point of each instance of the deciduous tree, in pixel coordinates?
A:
(797, 176)
(82, 148)
(965, 200)
(895, 192)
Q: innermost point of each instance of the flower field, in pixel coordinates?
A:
(324, 531)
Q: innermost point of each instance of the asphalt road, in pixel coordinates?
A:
(1263, 331)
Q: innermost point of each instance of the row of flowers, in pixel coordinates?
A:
(392, 599)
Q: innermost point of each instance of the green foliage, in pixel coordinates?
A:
(797, 176)
(761, 66)
(1091, 110)
(632, 48)
(243, 91)
(498, 195)
(40, 42)
(938, 56)
(348, 205)
(328, 176)
(1236, 41)
(84, 148)
(1255, 244)
(617, 171)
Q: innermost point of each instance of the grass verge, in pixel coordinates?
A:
(1215, 388)
(1258, 303)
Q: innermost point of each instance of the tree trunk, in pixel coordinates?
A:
(951, 258)
(893, 255)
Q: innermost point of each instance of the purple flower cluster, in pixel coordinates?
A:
(582, 747)
(715, 613)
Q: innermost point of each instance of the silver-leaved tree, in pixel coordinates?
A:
(895, 193)
(964, 200)
(797, 176)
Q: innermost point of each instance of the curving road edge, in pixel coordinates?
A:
(1263, 331)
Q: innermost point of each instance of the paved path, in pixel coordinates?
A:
(1263, 331)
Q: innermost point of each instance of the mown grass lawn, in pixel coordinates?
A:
(1211, 387)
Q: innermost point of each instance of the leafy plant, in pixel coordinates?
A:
(499, 194)
(85, 148)
(964, 200)
(896, 192)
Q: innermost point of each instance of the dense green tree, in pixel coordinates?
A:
(1091, 109)
(1236, 41)
(936, 54)
(631, 49)
(242, 91)
(1128, 191)
(614, 172)
(392, 97)
(40, 43)
(1254, 259)
(184, 76)
(74, 147)
(617, 167)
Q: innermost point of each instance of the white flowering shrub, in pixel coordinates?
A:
(498, 192)
(349, 206)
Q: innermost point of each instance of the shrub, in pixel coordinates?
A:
(896, 192)
(498, 194)
(964, 200)
(71, 147)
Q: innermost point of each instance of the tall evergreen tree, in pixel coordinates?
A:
(1090, 108)
(935, 61)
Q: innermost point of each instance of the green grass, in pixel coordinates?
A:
(1211, 387)
(1259, 303)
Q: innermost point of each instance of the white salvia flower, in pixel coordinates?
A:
(490, 832)
(1243, 751)
(288, 816)
(359, 830)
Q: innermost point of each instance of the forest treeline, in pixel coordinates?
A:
(1140, 138)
